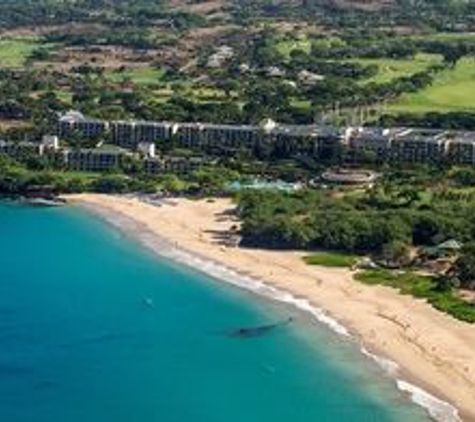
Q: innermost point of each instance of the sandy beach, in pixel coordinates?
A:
(433, 350)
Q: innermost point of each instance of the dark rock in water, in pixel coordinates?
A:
(250, 332)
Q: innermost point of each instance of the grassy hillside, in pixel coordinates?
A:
(390, 69)
(15, 51)
(453, 90)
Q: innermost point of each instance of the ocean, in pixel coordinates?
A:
(95, 327)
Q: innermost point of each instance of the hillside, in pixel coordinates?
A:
(295, 61)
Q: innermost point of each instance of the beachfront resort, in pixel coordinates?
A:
(237, 210)
(113, 142)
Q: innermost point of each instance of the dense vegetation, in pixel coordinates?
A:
(407, 210)
(401, 224)
(32, 177)
(16, 179)
(151, 60)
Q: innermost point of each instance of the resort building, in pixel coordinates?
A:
(152, 131)
(269, 139)
(211, 138)
(128, 134)
(105, 158)
(305, 140)
(123, 134)
(461, 148)
(49, 141)
(371, 144)
(75, 124)
(420, 146)
(219, 139)
(146, 149)
(20, 151)
(92, 160)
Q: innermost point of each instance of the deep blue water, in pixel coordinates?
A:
(81, 340)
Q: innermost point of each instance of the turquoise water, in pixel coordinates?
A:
(95, 328)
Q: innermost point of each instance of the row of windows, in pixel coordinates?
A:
(130, 135)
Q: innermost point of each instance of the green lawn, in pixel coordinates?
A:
(65, 96)
(303, 42)
(15, 51)
(390, 69)
(453, 90)
(334, 260)
(210, 94)
(301, 104)
(444, 36)
(141, 76)
(423, 287)
(201, 95)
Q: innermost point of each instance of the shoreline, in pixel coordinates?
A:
(162, 229)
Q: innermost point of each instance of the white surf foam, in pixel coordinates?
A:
(438, 409)
(390, 367)
(225, 273)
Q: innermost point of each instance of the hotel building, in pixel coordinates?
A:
(327, 144)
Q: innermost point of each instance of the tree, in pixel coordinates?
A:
(464, 177)
(464, 267)
(112, 184)
(173, 184)
(396, 253)
(425, 229)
